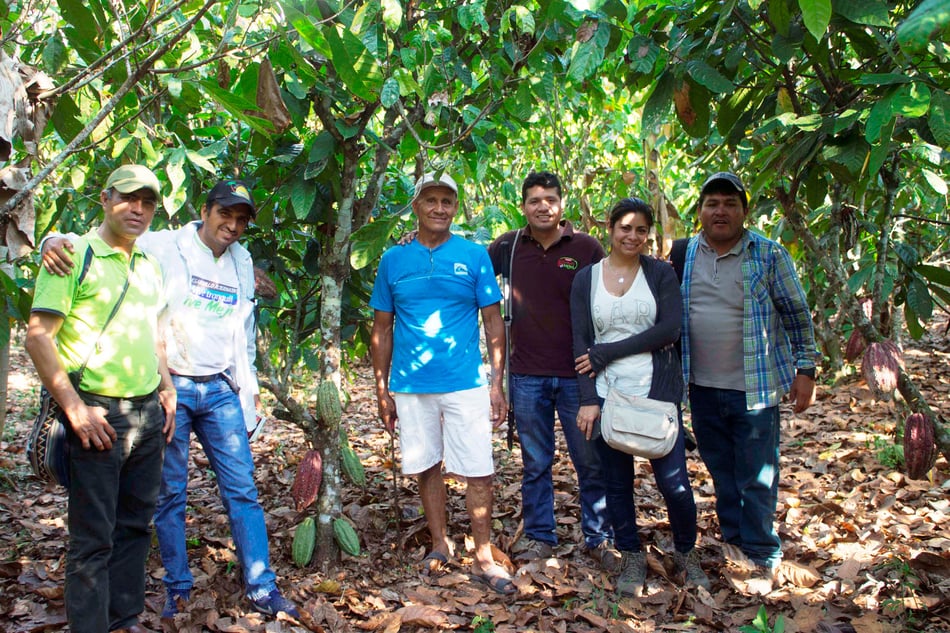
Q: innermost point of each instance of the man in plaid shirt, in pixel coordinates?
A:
(748, 339)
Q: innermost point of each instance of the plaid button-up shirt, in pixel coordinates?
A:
(777, 334)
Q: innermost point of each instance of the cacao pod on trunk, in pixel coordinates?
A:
(856, 345)
(305, 537)
(346, 536)
(328, 403)
(881, 367)
(307, 481)
(919, 447)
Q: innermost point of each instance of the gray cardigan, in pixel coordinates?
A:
(660, 339)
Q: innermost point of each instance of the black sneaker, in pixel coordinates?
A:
(273, 603)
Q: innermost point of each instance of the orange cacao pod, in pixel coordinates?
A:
(856, 345)
(919, 448)
(307, 481)
(881, 367)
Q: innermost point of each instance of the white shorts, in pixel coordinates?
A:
(453, 427)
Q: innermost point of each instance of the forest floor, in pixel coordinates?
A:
(866, 549)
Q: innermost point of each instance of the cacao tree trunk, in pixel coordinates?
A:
(838, 279)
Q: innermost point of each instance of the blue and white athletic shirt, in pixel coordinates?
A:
(436, 295)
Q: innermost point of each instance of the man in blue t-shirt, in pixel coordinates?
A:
(428, 369)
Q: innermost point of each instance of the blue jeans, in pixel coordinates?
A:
(213, 411)
(111, 501)
(535, 399)
(672, 479)
(741, 451)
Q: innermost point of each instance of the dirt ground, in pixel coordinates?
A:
(866, 549)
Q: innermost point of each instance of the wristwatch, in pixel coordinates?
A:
(807, 371)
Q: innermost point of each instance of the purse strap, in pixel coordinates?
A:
(115, 310)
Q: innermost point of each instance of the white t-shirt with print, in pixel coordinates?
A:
(618, 318)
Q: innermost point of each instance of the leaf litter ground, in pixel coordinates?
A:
(865, 548)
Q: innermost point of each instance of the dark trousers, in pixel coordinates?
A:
(111, 501)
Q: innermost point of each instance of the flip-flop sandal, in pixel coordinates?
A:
(434, 562)
(499, 582)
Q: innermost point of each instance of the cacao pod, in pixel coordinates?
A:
(328, 403)
(867, 307)
(305, 536)
(919, 449)
(307, 481)
(346, 536)
(353, 467)
(881, 367)
(856, 345)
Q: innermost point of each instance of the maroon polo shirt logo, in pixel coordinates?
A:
(568, 263)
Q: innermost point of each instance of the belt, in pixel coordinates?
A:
(218, 376)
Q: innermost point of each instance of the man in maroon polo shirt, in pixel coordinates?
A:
(543, 258)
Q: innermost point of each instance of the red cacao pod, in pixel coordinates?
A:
(856, 345)
(919, 448)
(881, 367)
(307, 481)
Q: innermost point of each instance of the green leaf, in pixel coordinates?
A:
(906, 253)
(881, 114)
(643, 53)
(817, 16)
(305, 27)
(368, 242)
(237, 107)
(80, 29)
(934, 274)
(869, 12)
(914, 328)
(928, 22)
(587, 56)
(520, 17)
(390, 92)
(392, 14)
(939, 120)
(353, 63)
(911, 101)
(809, 122)
(732, 109)
(918, 296)
(851, 154)
(936, 182)
(302, 195)
(471, 14)
(201, 162)
(657, 108)
(781, 16)
(55, 55)
(66, 117)
(706, 75)
(882, 79)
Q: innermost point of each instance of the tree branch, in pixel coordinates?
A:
(110, 105)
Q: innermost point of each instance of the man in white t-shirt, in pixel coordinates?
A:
(209, 333)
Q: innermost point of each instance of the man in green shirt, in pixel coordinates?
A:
(102, 323)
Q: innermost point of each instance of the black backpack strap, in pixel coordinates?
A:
(86, 262)
(678, 256)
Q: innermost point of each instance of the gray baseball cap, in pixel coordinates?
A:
(430, 180)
